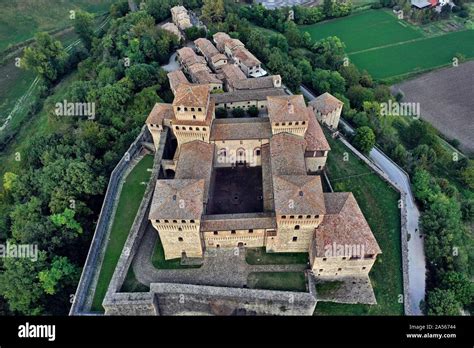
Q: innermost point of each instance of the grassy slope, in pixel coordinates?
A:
(21, 19)
(379, 203)
(130, 199)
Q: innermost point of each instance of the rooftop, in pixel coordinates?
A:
(160, 112)
(244, 221)
(241, 128)
(325, 103)
(191, 95)
(305, 192)
(287, 108)
(232, 73)
(257, 83)
(246, 95)
(344, 224)
(206, 47)
(314, 136)
(287, 154)
(246, 57)
(177, 78)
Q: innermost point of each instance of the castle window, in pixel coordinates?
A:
(197, 128)
(316, 216)
(176, 127)
(180, 229)
(183, 221)
(295, 239)
(339, 269)
(190, 128)
(283, 124)
(321, 270)
(180, 239)
(290, 123)
(297, 123)
(232, 232)
(292, 216)
(300, 216)
(344, 258)
(283, 216)
(304, 122)
(251, 230)
(324, 259)
(277, 124)
(157, 221)
(199, 109)
(194, 117)
(364, 268)
(174, 221)
(216, 233)
(192, 109)
(257, 152)
(204, 129)
(308, 216)
(192, 221)
(185, 109)
(166, 221)
(297, 227)
(179, 108)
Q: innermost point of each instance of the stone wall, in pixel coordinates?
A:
(184, 299)
(90, 272)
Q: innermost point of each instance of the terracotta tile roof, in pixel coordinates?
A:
(257, 83)
(325, 103)
(232, 73)
(160, 112)
(170, 196)
(344, 224)
(298, 195)
(287, 108)
(195, 162)
(246, 95)
(219, 39)
(218, 57)
(241, 128)
(314, 136)
(206, 47)
(195, 68)
(246, 57)
(267, 185)
(205, 77)
(176, 78)
(206, 123)
(287, 154)
(189, 57)
(191, 95)
(233, 44)
(228, 222)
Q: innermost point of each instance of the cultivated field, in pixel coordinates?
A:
(389, 48)
(21, 19)
(446, 100)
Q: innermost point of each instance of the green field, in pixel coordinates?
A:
(364, 30)
(130, 199)
(21, 19)
(389, 48)
(379, 203)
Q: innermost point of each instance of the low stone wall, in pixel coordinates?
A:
(90, 272)
(169, 299)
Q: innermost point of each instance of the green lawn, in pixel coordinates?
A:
(130, 199)
(283, 281)
(21, 19)
(379, 203)
(258, 256)
(158, 258)
(417, 56)
(363, 30)
(391, 49)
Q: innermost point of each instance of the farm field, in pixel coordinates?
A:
(390, 49)
(40, 15)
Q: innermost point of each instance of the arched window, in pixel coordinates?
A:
(256, 151)
(297, 227)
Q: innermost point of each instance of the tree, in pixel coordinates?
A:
(252, 111)
(19, 284)
(61, 272)
(358, 95)
(400, 155)
(213, 11)
(280, 41)
(467, 175)
(364, 139)
(221, 113)
(84, 26)
(327, 8)
(442, 302)
(46, 57)
(238, 112)
(9, 179)
(329, 53)
(423, 187)
(424, 156)
(460, 284)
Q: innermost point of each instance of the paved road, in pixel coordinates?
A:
(416, 256)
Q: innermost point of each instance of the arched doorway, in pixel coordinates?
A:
(240, 244)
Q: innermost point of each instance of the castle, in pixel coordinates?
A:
(253, 181)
